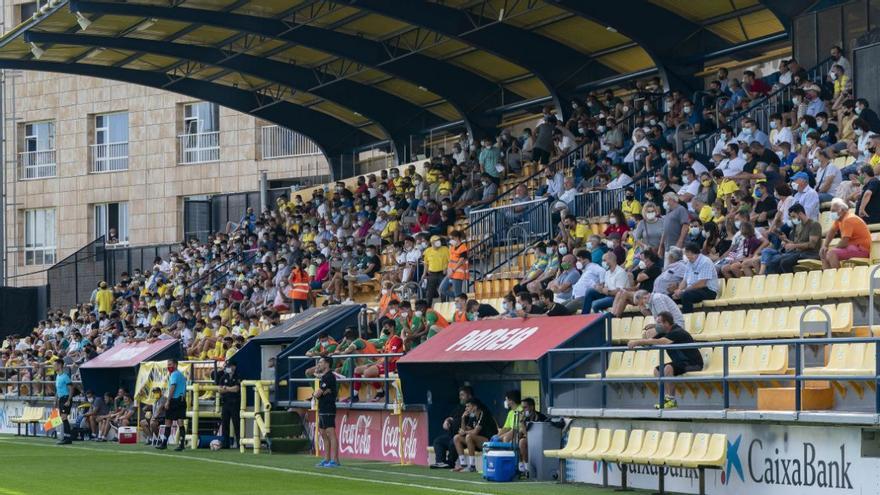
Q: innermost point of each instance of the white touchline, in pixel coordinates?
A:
(267, 468)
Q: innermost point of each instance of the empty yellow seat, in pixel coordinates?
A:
(847, 359)
(575, 436)
(771, 284)
(713, 362)
(842, 318)
(681, 450)
(600, 446)
(588, 442)
(616, 447)
(626, 365)
(707, 451)
(633, 446)
(724, 294)
(710, 328)
(649, 445)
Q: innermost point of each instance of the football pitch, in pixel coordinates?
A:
(36, 466)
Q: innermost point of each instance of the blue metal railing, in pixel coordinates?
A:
(725, 378)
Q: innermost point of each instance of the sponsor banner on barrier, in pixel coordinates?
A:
(761, 459)
(378, 435)
(512, 339)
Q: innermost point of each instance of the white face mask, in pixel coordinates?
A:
(563, 250)
(579, 265)
(650, 215)
(642, 265)
(612, 221)
(737, 223)
(437, 244)
(589, 245)
(834, 216)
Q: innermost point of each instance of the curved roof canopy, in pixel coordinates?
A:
(354, 72)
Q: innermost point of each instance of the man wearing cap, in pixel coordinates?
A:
(436, 258)
(815, 105)
(805, 195)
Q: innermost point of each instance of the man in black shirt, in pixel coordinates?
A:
(478, 309)
(445, 454)
(681, 360)
(477, 427)
(553, 309)
(229, 384)
(868, 205)
(326, 396)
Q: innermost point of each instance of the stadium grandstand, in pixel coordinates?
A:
(628, 245)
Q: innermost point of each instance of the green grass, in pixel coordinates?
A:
(37, 466)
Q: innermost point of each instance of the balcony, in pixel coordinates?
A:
(198, 148)
(36, 164)
(280, 142)
(109, 157)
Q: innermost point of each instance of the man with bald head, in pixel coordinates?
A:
(566, 278)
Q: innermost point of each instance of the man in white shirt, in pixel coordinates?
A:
(805, 195)
(732, 164)
(690, 159)
(620, 179)
(591, 276)
(601, 296)
(839, 59)
(828, 176)
(689, 188)
(725, 137)
(750, 132)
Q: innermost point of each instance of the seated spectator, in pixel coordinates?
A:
(868, 204)
(700, 282)
(445, 453)
(154, 416)
(828, 176)
(98, 408)
(742, 259)
(530, 414)
(602, 296)
(644, 275)
(568, 275)
(591, 274)
(682, 361)
(380, 367)
(806, 239)
(653, 304)
(477, 426)
(477, 310)
(527, 306)
(551, 307)
(855, 238)
(512, 401)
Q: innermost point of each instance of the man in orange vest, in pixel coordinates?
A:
(299, 286)
(456, 277)
(460, 308)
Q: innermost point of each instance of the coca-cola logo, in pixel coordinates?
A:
(354, 438)
(391, 437)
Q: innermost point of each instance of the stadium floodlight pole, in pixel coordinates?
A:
(264, 191)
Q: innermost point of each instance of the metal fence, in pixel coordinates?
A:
(199, 148)
(281, 142)
(492, 224)
(226, 208)
(75, 277)
(597, 203)
(109, 157)
(128, 258)
(36, 164)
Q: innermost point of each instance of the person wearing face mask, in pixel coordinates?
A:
(436, 261)
(551, 267)
(700, 282)
(562, 285)
(649, 230)
(828, 176)
(602, 295)
(630, 206)
(445, 455)
(299, 286)
(617, 224)
(591, 274)
(675, 223)
(805, 195)
(815, 104)
(153, 416)
(806, 240)
(695, 232)
(690, 187)
(648, 268)
(855, 238)
(228, 382)
(732, 164)
(512, 404)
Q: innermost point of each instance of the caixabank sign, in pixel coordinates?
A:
(761, 459)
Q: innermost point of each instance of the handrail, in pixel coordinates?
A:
(725, 378)
(757, 103)
(383, 379)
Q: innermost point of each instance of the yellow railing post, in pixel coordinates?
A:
(316, 436)
(194, 427)
(257, 407)
(242, 418)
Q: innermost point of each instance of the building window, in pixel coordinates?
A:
(39, 237)
(111, 221)
(280, 142)
(200, 141)
(26, 11)
(37, 157)
(110, 149)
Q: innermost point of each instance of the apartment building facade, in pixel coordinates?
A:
(87, 157)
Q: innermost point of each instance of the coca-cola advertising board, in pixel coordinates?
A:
(377, 435)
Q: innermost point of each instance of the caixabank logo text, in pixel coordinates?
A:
(800, 467)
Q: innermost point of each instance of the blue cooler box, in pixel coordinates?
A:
(499, 465)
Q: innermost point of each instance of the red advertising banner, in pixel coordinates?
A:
(377, 435)
(510, 339)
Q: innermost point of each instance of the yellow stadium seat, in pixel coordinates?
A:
(648, 447)
(771, 285)
(794, 290)
(825, 221)
(773, 360)
(791, 328)
(600, 446)
(845, 283)
(820, 283)
(730, 323)
(618, 326)
(845, 359)
(634, 330)
(626, 365)
(750, 327)
(707, 451)
(633, 446)
(710, 328)
(588, 442)
(666, 447)
(746, 363)
(575, 436)
(681, 450)
(841, 317)
(724, 294)
(745, 292)
(696, 323)
(615, 361)
(616, 447)
(713, 362)
(699, 448)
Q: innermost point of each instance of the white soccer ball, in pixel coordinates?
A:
(215, 444)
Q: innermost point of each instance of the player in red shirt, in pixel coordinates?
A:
(376, 368)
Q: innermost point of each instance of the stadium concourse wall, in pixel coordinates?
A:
(763, 458)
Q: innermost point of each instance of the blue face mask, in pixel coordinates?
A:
(758, 193)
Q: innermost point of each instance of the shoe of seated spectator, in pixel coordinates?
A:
(380, 397)
(669, 403)
(162, 446)
(321, 464)
(472, 469)
(439, 465)
(332, 464)
(179, 448)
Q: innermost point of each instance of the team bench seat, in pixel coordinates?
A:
(801, 286)
(742, 361)
(767, 323)
(699, 451)
(31, 415)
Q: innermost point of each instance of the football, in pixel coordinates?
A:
(215, 444)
